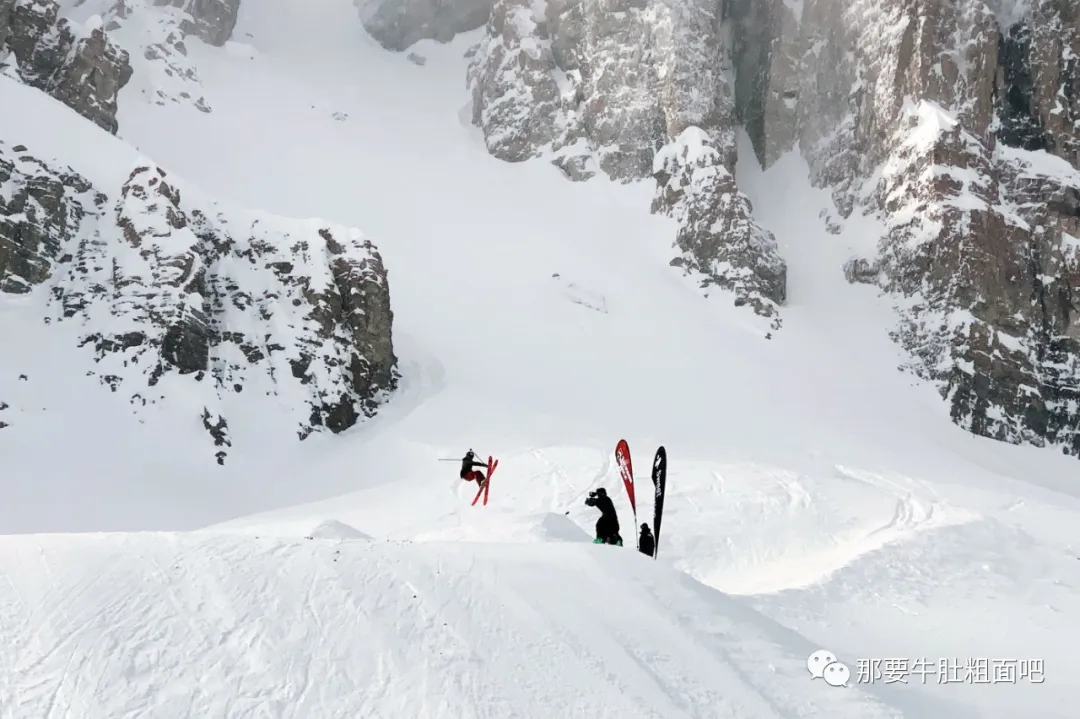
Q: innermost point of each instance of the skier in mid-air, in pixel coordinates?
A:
(646, 542)
(467, 472)
(607, 527)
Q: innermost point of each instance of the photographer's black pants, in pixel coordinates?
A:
(607, 530)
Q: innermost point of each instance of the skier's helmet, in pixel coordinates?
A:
(644, 527)
(601, 492)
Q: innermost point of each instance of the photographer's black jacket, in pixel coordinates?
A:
(604, 504)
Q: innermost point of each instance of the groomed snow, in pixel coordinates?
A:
(806, 473)
(200, 625)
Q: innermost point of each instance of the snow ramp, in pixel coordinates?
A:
(118, 626)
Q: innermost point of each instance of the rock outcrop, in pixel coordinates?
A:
(78, 65)
(719, 239)
(635, 90)
(156, 34)
(212, 21)
(41, 213)
(956, 123)
(180, 297)
(398, 24)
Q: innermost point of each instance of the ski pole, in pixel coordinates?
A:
(453, 459)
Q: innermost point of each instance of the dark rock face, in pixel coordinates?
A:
(178, 295)
(41, 212)
(212, 21)
(82, 69)
(958, 128)
(955, 122)
(1020, 125)
(635, 90)
(697, 189)
(398, 24)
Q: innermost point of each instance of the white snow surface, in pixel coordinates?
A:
(818, 498)
(200, 625)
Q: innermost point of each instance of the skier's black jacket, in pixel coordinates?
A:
(467, 463)
(606, 507)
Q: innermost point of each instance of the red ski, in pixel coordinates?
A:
(492, 464)
(487, 482)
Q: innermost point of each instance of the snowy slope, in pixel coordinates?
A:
(536, 320)
(154, 268)
(165, 625)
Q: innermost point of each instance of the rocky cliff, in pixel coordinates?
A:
(157, 34)
(177, 295)
(179, 299)
(76, 64)
(212, 21)
(634, 90)
(398, 24)
(953, 122)
(84, 52)
(956, 124)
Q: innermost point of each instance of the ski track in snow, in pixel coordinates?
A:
(806, 474)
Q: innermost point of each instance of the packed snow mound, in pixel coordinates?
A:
(560, 528)
(742, 527)
(490, 524)
(200, 625)
(333, 529)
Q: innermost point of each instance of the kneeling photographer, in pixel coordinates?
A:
(607, 527)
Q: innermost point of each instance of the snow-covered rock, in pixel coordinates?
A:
(85, 52)
(212, 21)
(41, 212)
(156, 35)
(717, 234)
(636, 90)
(77, 64)
(516, 95)
(333, 529)
(944, 118)
(183, 299)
